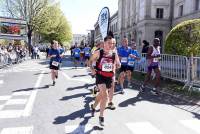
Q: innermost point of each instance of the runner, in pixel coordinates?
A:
(111, 91)
(153, 57)
(76, 54)
(87, 52)
(131, 62)
(62, 51)
(55, 57)
(106, 61)
(123, 52)
(99, 46)
(82, 55)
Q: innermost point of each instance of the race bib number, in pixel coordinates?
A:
(76, 53)
(107, 67)
(131, 63)
(155, 59)
(87, 53)
(124, 60)
(54, 63)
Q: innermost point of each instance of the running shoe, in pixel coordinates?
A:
(111, 106)
(101, 121)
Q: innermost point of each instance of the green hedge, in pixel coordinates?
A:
(184, 39)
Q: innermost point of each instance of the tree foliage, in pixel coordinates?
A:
(42, 16)
(27, 10)
(53, 25)
(184, 39)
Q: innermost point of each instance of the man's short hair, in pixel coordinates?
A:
(108, 38)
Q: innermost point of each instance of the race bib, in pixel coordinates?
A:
(54, 63)
(124, 60)
(76, 53)
(131, 63)
(155, 59)
(87, 53)
(107, 67)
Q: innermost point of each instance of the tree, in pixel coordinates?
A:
(27, 10)
(184, 39)
(53, 25)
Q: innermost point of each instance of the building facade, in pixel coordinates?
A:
(78, 38)
(97, 33)
(90, 38)
(114, 26)
(146, 19)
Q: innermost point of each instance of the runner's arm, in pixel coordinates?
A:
(150, 51)
(93, 58)
(117, 61)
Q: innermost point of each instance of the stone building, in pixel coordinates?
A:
(147, 19)
(78, 38)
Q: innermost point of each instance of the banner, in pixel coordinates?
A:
(103, 21)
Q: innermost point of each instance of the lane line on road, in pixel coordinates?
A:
(16, 102)
(4, 98)
(75, 79)
(18, 130)
(143, 128)
(192, 124)
(29, 105)
(10, 114)
(79, 129)
(1, 82)
(1, 107)
(23, 93)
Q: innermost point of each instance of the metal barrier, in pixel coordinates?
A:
(195, 71)
(9, 59)
(4, 58)
(174, 67)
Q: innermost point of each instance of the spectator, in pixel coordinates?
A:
(145, 46)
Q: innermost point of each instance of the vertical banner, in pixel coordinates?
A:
(103, 21)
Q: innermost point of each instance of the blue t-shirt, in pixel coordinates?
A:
(61, 50)
(55, 52)
(87, 51)
(76, 52)
(123, 53)
(131, 61)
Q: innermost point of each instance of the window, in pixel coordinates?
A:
(197, 2)
(181, 10)
(159, 13)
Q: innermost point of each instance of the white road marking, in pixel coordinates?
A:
(18, 130)
(23, 93)
(192, 124)
(4, 98)
(1, 107)
(16, 102)
(75, 79)
(143, 128)
(29, 105)
(71, 68)
(1, 81)
(79, 129)
(10, 114)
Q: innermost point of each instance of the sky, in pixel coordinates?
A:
(83, 14)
